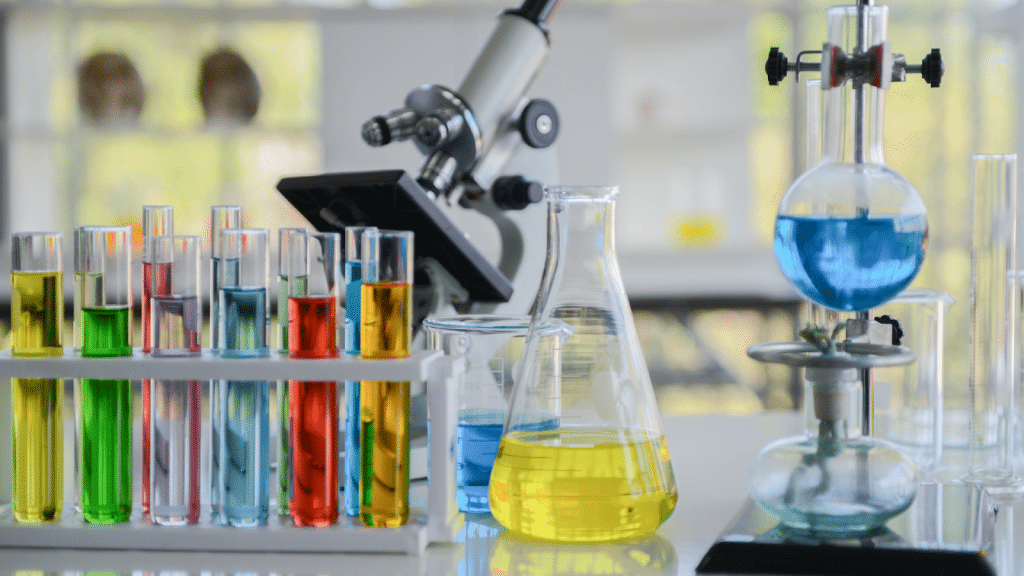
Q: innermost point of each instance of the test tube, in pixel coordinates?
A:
(221, 218)
(353, 295)
(313, 333)
(37, 310)
(175, 405)
(156, 221)
(284, 451)
(386, 332)
(103, 273)
(243, 486)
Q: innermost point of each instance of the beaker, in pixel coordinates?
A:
(492, 346)
(582, 455)
(908, 399)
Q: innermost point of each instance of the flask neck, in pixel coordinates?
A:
(854, 119)
(834, 393)
(856, 69)
(582, 228)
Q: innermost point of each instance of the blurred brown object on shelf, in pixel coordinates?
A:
(110, 90)
(228, 88)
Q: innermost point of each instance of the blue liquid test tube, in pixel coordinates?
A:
(221, 218)
(243, 440)
(353, 289)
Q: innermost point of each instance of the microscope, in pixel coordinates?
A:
(469, 138)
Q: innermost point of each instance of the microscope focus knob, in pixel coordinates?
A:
(932, 68)
(515, 192)
(538, 124)
(776, 67)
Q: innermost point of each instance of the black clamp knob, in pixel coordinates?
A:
(538, 124)
(776, 67)
(515, 192)
(932, 68)
(897, 331)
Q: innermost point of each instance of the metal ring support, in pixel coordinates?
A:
(858, 355)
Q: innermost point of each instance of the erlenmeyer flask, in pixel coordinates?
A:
(582, 456)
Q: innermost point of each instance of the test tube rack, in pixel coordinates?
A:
(428, 372)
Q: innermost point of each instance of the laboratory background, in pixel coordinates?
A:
(107, 106)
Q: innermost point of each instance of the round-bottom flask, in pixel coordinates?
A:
(832, 482)
(851, 233)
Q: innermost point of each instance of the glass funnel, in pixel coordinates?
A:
(582, 456)
(832, 482)
(851, 233)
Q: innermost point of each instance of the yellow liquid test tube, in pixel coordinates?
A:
(37, 311)
(386, 332)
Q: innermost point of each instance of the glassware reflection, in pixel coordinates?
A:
(652, 555)
(480, 534)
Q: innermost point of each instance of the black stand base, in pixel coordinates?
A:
(949, 530)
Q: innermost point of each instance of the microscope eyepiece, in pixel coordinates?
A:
(397, 125)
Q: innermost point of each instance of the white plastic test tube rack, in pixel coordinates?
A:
(428, 372)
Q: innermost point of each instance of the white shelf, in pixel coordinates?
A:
(439, 522)
(139, 366)
(279, 535)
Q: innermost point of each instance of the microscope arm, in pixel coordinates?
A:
(464, 133)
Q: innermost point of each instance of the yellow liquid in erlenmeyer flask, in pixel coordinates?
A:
(582, 485)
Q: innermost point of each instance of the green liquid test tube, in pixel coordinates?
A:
(284, 449)
(103, 267)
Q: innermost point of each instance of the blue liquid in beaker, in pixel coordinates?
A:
(476, 450)
(851, 263)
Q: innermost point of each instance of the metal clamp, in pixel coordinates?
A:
(931, 68)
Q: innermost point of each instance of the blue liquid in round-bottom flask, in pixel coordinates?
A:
(851, 263)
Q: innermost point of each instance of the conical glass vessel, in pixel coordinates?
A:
(851, 233)
(582, 456)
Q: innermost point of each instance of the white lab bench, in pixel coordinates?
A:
(710, 454)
